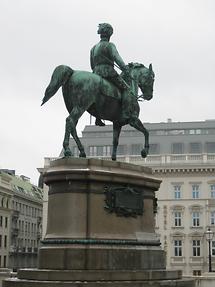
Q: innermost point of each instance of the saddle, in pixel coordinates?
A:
(109, 89)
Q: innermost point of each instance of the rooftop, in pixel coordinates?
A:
(22, 185)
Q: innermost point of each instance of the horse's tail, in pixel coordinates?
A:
(59, 77)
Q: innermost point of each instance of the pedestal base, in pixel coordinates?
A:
(102, 258)
(100, 229)
(97, 278)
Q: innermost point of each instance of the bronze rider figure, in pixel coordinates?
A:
(102, 58)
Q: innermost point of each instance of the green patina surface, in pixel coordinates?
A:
(104, 93)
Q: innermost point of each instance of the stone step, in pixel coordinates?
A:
(158, 283)
(97, 275)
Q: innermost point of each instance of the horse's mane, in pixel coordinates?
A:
(131, 66)
(135, 65)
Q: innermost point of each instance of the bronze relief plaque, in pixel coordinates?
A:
(124, 201)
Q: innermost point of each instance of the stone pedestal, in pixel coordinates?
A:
(100, 229)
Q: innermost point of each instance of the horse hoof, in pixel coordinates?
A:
(143, 153)
(82, 154)
(67, 153)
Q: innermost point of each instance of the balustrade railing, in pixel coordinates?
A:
(159, 159)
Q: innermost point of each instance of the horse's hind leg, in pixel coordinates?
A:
(71, 122)
(137, 124)
(116, 132)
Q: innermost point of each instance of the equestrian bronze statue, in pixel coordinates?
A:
(104, 94)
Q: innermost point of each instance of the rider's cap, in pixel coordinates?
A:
(105, 29)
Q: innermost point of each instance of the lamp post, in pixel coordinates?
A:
(209, 236)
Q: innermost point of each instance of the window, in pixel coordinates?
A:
(121, 150)
(197, 273)
(154, 149)
(195, 191)
(6, 222)
(176, 132)
(1, 220)
(195, 132)
(213, 248)
(5, 241)
(160, 132)
(195, 148)
(212, 218)
(26, 227)
(107, 150)
(177, 217)
(93, 150)
(177, 148)
(212, 188)
(177, 247)
(99, 151)
(102, 150)
(195, 219)
(177, 191)
(0, 241)
(75, 151)
(196, 247)
(21, 189)
(5, 261)
(210, 147)
(136, 149)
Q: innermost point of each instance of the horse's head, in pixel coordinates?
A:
(145, 79)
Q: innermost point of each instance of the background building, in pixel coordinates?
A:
(5, 218)
(21, 214)
(182, 154)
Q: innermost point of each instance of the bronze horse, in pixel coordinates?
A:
(85, 91)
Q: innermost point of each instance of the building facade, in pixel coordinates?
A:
(182, 155)
(5, 218)
(186, 209)
(24, 223)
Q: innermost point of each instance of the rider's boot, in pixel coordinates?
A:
(126, 106)
(99, 122)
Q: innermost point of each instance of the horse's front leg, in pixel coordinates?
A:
(137, 124)
(116, 132)
(71, 123)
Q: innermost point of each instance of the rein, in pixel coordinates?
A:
(139, 98)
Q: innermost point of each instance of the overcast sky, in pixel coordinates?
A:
(176, 36)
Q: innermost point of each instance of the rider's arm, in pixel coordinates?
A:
(91, 59)
(117, 58)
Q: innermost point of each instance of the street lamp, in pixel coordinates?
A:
(209, 236)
